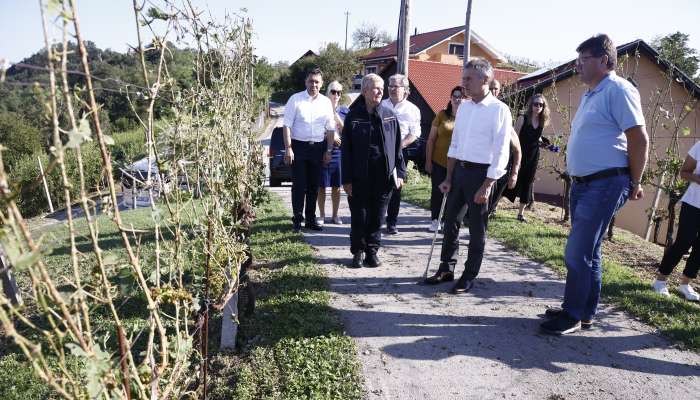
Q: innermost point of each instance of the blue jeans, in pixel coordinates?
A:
(593, 205)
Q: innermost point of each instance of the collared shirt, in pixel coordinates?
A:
(408, 115)
(692, 195)
(309, 118)
(598, 140)
(482, 134)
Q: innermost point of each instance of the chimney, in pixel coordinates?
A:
(416, 32)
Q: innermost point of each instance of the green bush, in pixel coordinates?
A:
(17, 381)
(128, 147)
(25, 178)
(19, 137)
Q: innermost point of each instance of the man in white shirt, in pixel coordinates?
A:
(408, 116)
(477, 157)
(309, 126)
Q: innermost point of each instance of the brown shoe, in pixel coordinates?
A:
(440, 277)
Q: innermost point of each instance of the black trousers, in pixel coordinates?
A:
(466, 181)
(368, 205)
(436, 178)
(392, 212)
(306, 172)
(686, 236)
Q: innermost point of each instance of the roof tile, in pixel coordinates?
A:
(435, 80)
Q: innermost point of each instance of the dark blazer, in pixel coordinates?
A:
(355, 142)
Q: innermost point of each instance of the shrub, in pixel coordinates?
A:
(20, 138)
(32, 198)
(128, 146)
(17, 381)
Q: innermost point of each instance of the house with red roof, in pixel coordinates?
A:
(431, 83)
(444, 46)
(671, 104)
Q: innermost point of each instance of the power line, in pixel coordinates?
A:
(80, 73)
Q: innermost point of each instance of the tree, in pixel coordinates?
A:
(19, 138)
(368, 36)
(674, 48)
(337, 64)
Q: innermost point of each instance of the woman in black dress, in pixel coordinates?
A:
(529, 127)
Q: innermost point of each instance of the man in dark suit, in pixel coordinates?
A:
(372, 163)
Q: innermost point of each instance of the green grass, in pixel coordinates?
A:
(293, 344)
(294, 347)
(674, 317)
(132, 308)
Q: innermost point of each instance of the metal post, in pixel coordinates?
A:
(46, 186)
(467, 38)
(403, 39)
(347, 15)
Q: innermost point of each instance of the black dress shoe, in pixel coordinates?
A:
(356, 260)
(313, 226)
(563, 324)
(440, 277)
(391, 230)
(463, 285)
(372, 260)
(296, 226)
(554, 312)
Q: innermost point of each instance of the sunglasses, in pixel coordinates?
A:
(336, 92)
(538, 104)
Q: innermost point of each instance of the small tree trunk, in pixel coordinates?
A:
(531, 203)
(672, 201)
(610, 228)
(657, 227)
(567, 196)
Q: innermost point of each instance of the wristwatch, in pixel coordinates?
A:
(635, 183)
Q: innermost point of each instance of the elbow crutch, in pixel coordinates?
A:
(432, 245)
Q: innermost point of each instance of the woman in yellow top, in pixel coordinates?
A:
(436, 151)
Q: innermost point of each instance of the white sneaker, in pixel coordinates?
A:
(661, 288)
(435, 225)
(337, 221)
(320, 221)
(689, 292)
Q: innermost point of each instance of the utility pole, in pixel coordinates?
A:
(467, 39)
(403, 39)
(347, 15)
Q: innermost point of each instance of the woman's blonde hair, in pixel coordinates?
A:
(544, 115)
(335, 85)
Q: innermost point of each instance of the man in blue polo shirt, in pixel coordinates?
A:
(606, 156)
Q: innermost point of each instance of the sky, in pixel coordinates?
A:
(546, 31)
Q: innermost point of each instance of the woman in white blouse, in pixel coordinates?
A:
(688, 234)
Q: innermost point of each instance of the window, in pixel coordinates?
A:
(456, 49)
(370, 70)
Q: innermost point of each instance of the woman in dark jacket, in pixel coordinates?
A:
(529, 127)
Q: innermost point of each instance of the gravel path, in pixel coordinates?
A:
(417, 342)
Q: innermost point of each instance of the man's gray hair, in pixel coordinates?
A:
(401, 80)
(483, 66)
(369, 79)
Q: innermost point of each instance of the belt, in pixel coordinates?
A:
(606, 173)
(469, 164)
(307, 141)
